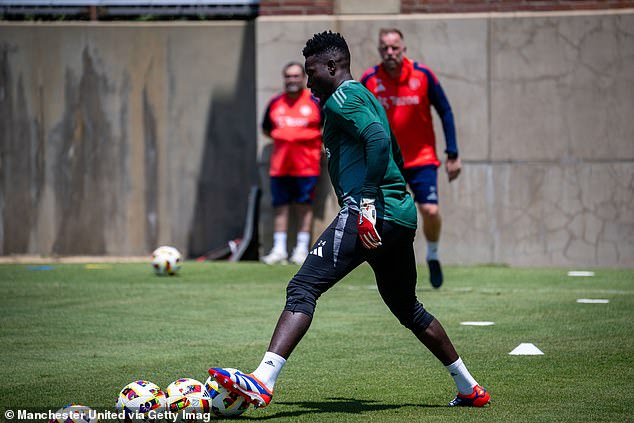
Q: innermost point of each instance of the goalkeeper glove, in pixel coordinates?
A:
(367, 219)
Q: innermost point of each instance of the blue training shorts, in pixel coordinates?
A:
(423, 181)
(293, 189)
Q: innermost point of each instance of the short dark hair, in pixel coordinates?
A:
(291, 64)
(327, 42)
(384, 31)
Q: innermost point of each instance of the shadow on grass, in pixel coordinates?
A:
(336, 405)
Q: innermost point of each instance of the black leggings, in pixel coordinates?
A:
(338, 251)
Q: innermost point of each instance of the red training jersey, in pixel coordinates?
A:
(295, 126)
(407, 101)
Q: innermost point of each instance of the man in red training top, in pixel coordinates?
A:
(407, 90)
(293, 120)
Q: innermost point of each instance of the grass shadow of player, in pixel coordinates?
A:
(337, 405)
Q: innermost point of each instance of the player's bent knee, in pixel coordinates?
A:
(430, 210)
(417, 320)
(299, 299)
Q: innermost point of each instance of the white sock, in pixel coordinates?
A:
(269, 369)
(303, 238)
(432, 250)
(464, 381)
(279, 241)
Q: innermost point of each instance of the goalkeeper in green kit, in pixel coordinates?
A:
(376, 224)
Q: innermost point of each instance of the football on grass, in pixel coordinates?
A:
(225, 403)
(141, 401)
(166, 260)
(74, 413)
(189, 400)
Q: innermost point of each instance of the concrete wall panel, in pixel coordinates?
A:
(560, 87)
(343, 7)
(114, 137)
(543, 106)
(538, 214)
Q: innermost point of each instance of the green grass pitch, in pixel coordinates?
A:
(78, 334)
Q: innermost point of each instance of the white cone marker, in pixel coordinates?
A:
(580, 273)
(592, 301)
(526, 349)
(477, 323)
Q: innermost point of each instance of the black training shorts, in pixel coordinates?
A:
(338, 251)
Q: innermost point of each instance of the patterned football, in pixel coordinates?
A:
(189, 400)
(141, 401)
(75, 413)
(225, 403)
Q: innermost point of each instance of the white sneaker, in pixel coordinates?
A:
(276, 257)
(299, 255)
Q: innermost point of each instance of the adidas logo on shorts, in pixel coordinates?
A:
(318, 250)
